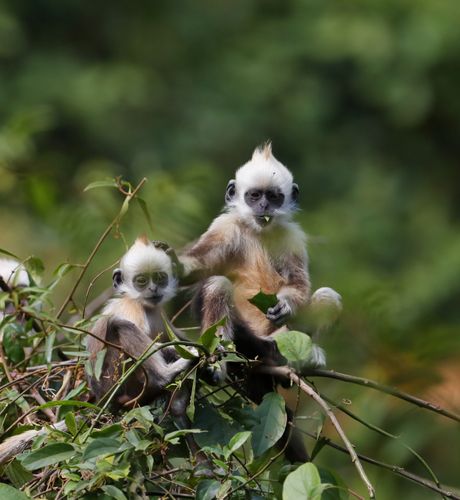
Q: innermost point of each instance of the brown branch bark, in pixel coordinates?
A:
(285, 371)
(382, 388)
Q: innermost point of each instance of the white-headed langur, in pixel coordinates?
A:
(254, 245)
(13, 276)
(145, 280)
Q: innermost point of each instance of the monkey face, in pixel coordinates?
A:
(145, 274)
(264, 203)
(263, 190)
(151, 286)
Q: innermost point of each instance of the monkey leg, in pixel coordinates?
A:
(216, 298)
(178, 407)
(216, 302)
(159, 372)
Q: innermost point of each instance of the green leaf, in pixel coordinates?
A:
(272, 423)
(264, 301)
(99, 184)
(71, 423)
(207, 489)
(5, 252)
(49, 345)
(319, 445)
(304, 482)
(125, 206)
(68, 402)
(100, 356)
(7, 492)
(146, 212)
(63, 269)
(236, 442)
(17, 474)
(12, 343)
(294, 346)
(109, 431)
(190, 411)
(35, 267)
(209, 339)
(101, 446)
(172, 437)
(182, 351)
(337, 488)
(114, 492)
(218, 429)
(48, 455)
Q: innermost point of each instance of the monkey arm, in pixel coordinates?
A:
(135, 343)
(296, 291)
(202, 258)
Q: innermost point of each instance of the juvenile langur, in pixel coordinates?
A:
(144, 281)
(254, 245)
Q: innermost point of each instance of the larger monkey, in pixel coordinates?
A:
(254, 245)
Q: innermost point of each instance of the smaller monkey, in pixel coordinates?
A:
(145, 280)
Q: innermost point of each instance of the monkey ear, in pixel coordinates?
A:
(230, 191)
(117, 278)
(295, 192)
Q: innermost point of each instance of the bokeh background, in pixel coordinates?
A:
(361, 101)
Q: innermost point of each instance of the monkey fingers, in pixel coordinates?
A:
(280, 312)
(178, 268)
(162, 245)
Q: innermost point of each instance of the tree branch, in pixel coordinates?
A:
(382, 388)
(285, 371)
(400, 471)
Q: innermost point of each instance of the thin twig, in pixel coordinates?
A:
(382, 388)
(385, 433)
(400, 471)
(104, 235)
(181, 310)
(285, 371)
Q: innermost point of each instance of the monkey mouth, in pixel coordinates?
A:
(153, 299)
(264, 220)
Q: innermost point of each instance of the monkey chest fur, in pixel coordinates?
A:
(256, 271)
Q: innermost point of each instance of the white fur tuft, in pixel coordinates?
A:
(13, 273)
(318, 357)
(327, 296)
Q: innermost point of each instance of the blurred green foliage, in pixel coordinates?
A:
(360, 100)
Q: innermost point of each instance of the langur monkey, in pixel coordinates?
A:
(254, 245)
(12, 275)
(145, 280)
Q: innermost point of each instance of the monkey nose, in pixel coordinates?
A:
(263, 205)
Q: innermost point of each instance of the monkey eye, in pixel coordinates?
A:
(160, 279)
(274, 196)
(140, 280)
(255, 194)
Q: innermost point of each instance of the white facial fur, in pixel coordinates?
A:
(13, 273)
(263, 171)
(144, 258)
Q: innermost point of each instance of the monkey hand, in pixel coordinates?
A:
(279, 312)
(177, 266)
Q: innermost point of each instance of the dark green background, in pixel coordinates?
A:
(362, 102)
